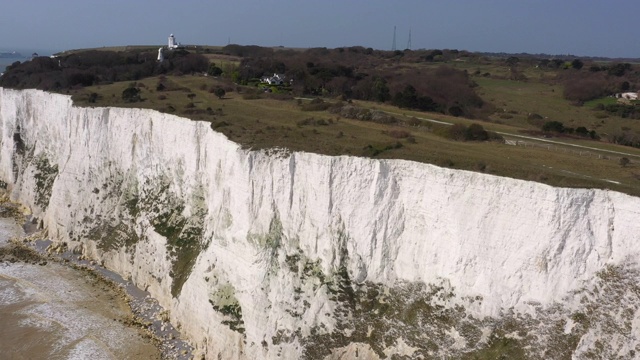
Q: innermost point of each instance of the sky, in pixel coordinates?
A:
(608, 28)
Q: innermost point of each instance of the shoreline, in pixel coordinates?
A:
(145, 315)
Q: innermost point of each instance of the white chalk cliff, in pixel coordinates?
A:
(271, 254)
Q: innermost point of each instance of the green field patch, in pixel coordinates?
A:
(608, 100)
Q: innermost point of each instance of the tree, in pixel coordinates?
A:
(582, 131)
(220, 92)
(554, 126)
(457, 132)
(131, 94)
(381, 90)
(577, 64)
(625, 86)
(512, 61)
(624, 162)
(456, 111)
(475, 132)
(280, 67)
(619, 69)
(214, 70)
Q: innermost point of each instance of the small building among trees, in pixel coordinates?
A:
(276, 79)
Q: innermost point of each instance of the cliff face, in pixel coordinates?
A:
(275, 254)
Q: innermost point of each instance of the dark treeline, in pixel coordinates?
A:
(95, 67)
(583, 79)
(593, 81)
(421, 79)
(367, 74)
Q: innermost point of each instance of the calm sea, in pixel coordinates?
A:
(21, 55)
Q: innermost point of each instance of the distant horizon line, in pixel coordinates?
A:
(50, 51)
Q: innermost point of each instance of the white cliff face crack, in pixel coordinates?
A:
(269, 254)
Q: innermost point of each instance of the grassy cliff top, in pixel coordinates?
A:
(513, 100)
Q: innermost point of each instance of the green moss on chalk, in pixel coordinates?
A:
(44, 175)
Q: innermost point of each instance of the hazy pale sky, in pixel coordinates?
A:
(608, 28)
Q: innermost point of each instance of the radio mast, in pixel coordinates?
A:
(393, 47)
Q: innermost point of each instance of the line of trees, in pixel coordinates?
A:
(584, 84)
(94, 67)
(365, 74)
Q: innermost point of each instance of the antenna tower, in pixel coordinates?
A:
(393, 47)
(409, 42)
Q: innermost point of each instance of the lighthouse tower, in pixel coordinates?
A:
(172, 42)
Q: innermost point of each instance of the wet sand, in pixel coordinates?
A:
(51, 311)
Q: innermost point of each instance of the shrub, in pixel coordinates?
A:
(214, 70)
(456, 111)
(474, 132)
(582, 131)
(219, 124)
(220, 93)
(553, 126)
(457, 132)
(624, 111)
(131, 94)
(408, 98)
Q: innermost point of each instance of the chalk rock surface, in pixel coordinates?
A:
(273, 254)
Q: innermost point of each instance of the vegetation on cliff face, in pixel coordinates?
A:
(431, 321)
(45, 174)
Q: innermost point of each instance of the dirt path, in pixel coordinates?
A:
(532, 138)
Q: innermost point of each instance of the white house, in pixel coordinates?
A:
(276, 79)
(627, 96)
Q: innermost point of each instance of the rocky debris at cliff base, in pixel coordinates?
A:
(148, 315)
(16, 252)
(52, 311)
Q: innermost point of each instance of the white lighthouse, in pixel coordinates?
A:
(172, 42)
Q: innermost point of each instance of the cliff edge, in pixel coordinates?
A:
(272, 254)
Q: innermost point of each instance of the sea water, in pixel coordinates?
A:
(21, 56)
(51, 311)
